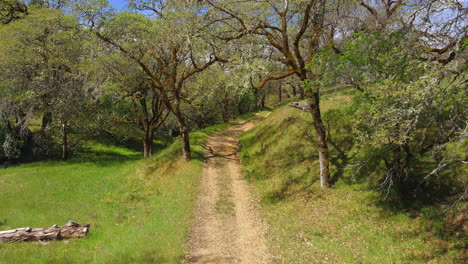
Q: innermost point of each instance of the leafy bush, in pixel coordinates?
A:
(12, 147)
(2, 139)
(406, 118)
(43, 146)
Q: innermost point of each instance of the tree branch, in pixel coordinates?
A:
(442, 50)
(202, 68)
(372, 10)
(236, 17)
(274, 77)
(300, 34)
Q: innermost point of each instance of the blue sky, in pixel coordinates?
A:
(118, 4)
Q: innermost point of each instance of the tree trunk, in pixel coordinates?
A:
(280, 93)
(301, 91)
(147, 143)
(255, 98)
(46, 121)
(183, 129)
(294, 92)
(225, 112)
(65, 148)
(324, 159)
(262, 102)
(70, 230)
(185, 139)
(240, 110)
(183, 132)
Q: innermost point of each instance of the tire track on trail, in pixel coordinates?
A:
(228, 227)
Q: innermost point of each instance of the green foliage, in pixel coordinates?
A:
(410, 125)
(406, 114)
(370, 58)
(310, 86)
(11, 10)
(229, 90)
(12, 147)
(44, 73)
(406, 139)
(464, 44)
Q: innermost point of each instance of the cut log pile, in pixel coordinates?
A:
(70, 230)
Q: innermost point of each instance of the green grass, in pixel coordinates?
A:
(139, 210)
(345, 224)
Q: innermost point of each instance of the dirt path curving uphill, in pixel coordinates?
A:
(228, 227)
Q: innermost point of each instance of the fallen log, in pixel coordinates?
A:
(301, 105)
(70, 230)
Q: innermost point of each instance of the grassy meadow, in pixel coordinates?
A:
(139, 210)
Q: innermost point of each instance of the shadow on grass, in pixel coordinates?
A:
(290, 188)
(103, 157)
(146, 256)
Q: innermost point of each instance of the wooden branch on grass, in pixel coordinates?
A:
(70, 230)
(300, 105)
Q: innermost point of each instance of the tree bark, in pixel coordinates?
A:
(324, 158)
(262, 102)
(70, 230)
(148, 142)
(65, 148)
(294, 92)
(185, 138)
(225, 111)
(255, 99)
(240, 110)
(280, 93)
(46, 121)
(183, 132)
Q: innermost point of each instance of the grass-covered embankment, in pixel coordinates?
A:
(139, 210)
(345, 224)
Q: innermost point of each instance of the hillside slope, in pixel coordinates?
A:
(345, 224)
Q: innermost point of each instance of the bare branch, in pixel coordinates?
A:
(372, 10)
(195, 70)
(274, 77)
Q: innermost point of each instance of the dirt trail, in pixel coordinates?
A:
(228, 227)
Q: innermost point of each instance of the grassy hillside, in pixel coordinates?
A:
(139, 210)
(346, 224)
